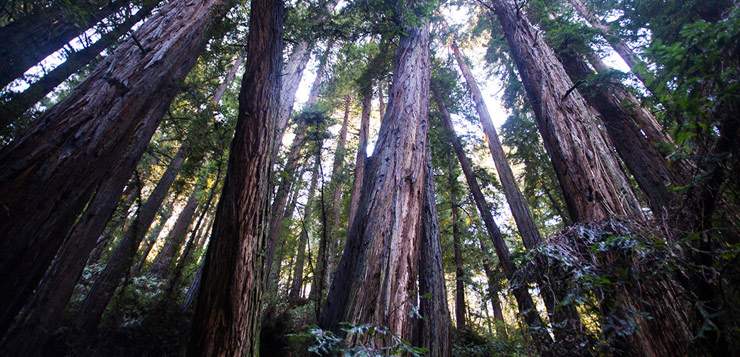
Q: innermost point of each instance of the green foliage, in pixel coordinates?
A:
(360, 340)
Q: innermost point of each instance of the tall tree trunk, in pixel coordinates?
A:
(164, 215)
(361, 158)
(297, 284)
(527, 309)
(51, 173)
(619, 109)
(163, 261)
(593, 184)
(457, 250)
(274, 277)
(291, 163)
(120, 261)
(337, 180)
(376, 278)
(33, 38)
(226, 320)
(15, 104)
(498, 313)
(381, 104)
(515, 199)
(636, 65)
(434, 328)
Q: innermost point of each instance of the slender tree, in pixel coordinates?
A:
(226, 320)
(162, 264)
(335, 193)
(361, 158)
(296, 285)
(95, 133)
(456, 248)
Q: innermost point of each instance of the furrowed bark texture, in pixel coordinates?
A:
(527, 309)
(33, 38)
(50, 174)
(164, 259)
(457, 250)
(619, 109)
(227, 316)
(376, 278)
(593, 184)
(122, 257)
(296, 285)
(434, 328)
(361, 158)
(16, 104)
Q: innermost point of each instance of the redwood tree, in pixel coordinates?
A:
(52, 171)
(376, 278)
(226, 320)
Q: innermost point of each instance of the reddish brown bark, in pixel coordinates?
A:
(376, 278)
(226, 320)
(31, 39)
(527, 309)
(50, 174)
(620, 111)
(593, 184)
(122, 257)
(434, 328)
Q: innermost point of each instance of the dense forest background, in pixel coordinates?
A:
(369, 177)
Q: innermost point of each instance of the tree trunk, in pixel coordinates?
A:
(527, 309)
(515, 199)
(337, 180)
(361, 158)
(51, 173)
(163, 261)
(226, 320)
(434, 328)
(15, 104)
(619, 110)
(381, 105)
(636, 65)
(164, 215)
(297, 283)
(498, 314)
(120, 261)
(31, 39)
(376, 279)
(291, 162)
(457, 250)
(593, 184)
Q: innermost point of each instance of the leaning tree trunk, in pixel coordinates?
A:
(163, 261)
(498, 313)
(164, 215)
(122, 258)
(433, 332)
(593, 184)
(31, 39)
(296, 284)
(15, 104)
(457, 250)
(226, 320)
(50, 174)
(618, 109)
(361, 158)
(376, 278)
(527, 309)
(636, 65)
